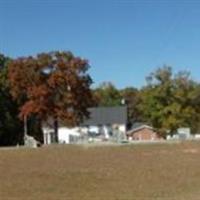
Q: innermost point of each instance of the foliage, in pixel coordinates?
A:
(107, 95)
(132, 99)
(57, 85)
(168, 100)
(53, 85)
(10, 125)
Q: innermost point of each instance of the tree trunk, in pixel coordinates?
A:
(25, 126)
(55, 140)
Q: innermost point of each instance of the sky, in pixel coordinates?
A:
(124, 40)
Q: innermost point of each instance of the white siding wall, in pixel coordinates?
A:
(122, 128)
(47, 135)
(64, 132)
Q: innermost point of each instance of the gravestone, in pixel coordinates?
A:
(30, 141)
(118, 135)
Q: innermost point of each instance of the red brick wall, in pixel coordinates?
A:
(144, 134)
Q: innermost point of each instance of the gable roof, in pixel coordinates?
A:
(139, 127)
(106, 115)
(99, 116)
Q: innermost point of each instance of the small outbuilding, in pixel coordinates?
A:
(142, 132)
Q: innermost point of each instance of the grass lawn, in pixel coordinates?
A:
(129, 172)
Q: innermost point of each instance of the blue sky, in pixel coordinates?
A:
(124, 40)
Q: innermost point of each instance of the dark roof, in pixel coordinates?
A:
(106, 115)
(99, 116)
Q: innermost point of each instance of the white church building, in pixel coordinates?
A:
(102, 123)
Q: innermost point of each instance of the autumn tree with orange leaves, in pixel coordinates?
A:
(54, 85)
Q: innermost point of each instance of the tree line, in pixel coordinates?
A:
(57, 84)
(167, 102)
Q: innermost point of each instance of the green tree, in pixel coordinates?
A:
(168, 100)
(107, 95)
(132, 99)
(185, 94)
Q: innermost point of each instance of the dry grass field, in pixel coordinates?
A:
(129, 172)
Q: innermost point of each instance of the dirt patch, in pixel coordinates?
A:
(192, 151)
